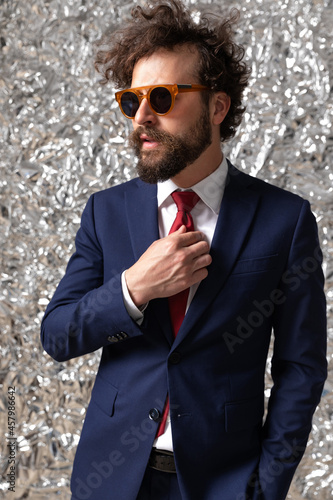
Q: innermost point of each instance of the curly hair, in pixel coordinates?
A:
(165, 24)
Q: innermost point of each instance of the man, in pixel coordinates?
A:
(180, 276)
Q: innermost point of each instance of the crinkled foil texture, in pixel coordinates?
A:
(63, 138)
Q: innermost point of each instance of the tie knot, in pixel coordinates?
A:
(185, 200)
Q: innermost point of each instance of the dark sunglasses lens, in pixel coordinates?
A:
(160, 100)
(129, 103)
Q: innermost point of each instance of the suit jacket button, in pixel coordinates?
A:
(113, 339)
(175, 358)
(154, 414)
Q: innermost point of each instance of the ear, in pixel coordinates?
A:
(221, 105)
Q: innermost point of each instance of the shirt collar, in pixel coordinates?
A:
(210, 189)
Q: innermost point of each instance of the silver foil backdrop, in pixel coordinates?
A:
(62, 138)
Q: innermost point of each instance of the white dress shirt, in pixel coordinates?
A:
(204, 214)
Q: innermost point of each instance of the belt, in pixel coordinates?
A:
(162, 460)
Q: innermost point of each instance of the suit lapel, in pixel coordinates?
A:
(142, 219)
(237, 210)
(142, 216)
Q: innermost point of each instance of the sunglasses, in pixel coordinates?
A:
(161, 98)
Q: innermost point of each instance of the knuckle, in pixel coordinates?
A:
(202, 246)
(184, 254)
(179, 259)
(171, 246)
(205, 246)
(183, 283)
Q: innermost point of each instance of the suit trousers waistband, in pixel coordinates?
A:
(157, 485)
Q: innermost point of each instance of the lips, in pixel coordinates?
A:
(148, 142)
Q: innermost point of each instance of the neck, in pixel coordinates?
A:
(205, 165)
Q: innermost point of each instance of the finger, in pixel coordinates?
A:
(199, 275)
(180, 230)
(196, 249)
(202, 261)
(188, 238)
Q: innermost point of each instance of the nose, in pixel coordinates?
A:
(144, 114)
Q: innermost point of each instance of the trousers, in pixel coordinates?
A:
(158, 485)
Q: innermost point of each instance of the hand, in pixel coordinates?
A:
(169, 266)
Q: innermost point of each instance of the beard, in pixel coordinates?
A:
(174, 153)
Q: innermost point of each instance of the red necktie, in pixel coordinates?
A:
(185, 201)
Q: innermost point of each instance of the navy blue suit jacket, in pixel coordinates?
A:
(265, 276)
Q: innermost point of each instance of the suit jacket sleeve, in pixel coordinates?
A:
(86, 312)
(299, 360)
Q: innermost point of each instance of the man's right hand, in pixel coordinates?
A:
(168, 266)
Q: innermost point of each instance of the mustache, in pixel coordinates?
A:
(156, 135)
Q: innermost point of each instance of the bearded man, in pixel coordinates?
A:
(180, 276)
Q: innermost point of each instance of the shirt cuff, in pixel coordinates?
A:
(135, 313)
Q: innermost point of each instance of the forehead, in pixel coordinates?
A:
(179, 65)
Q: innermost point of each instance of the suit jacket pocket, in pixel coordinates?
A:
(256, 265)
(241, 415)
(104, 395)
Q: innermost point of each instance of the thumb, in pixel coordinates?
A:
(181, 230)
